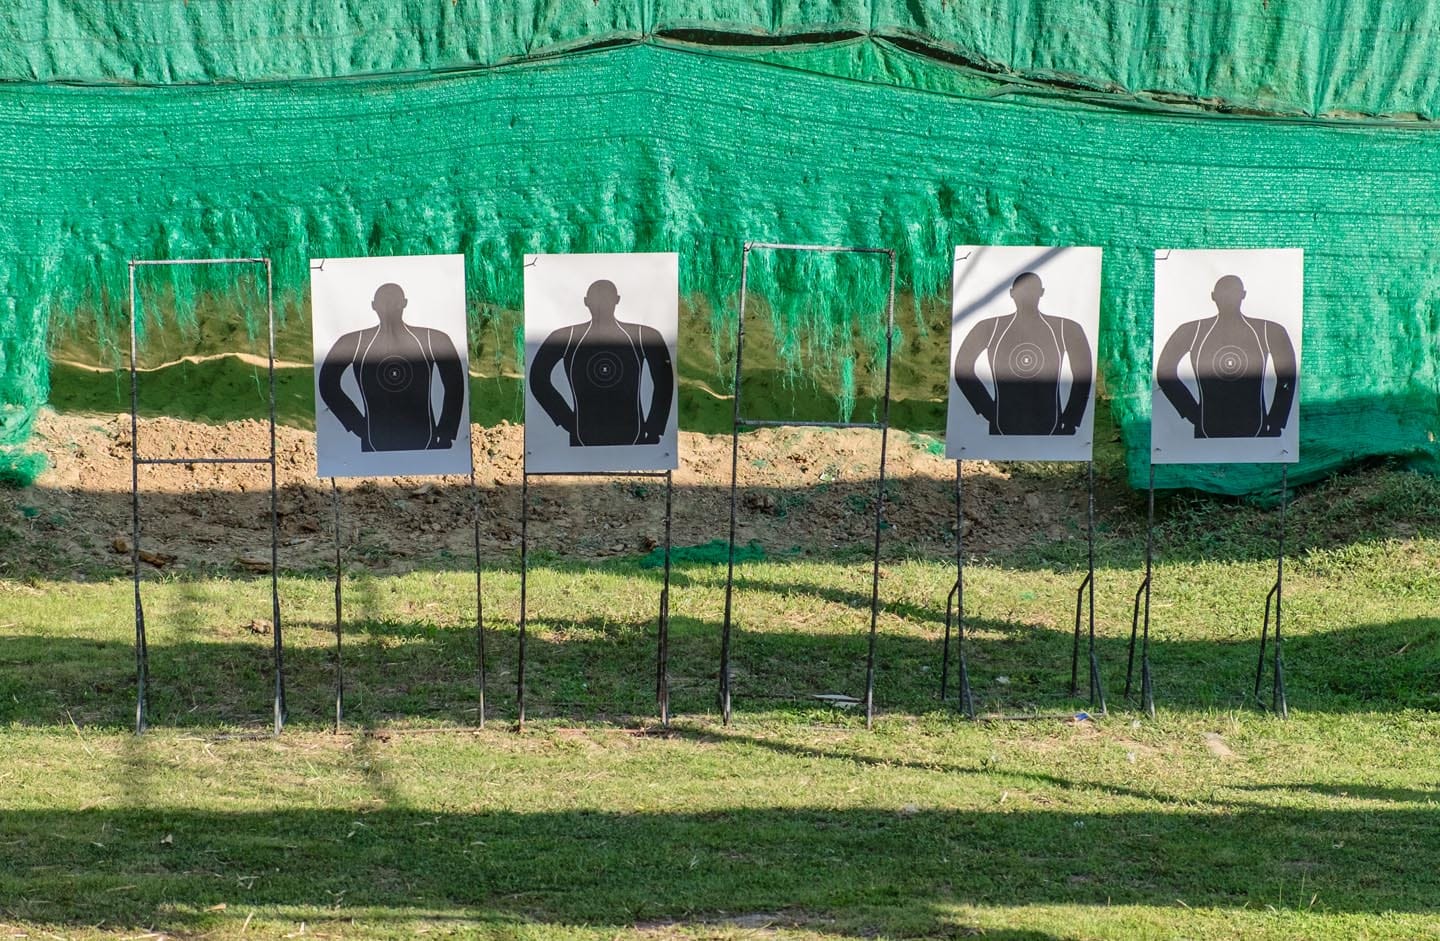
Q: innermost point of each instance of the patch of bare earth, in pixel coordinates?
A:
(806, 489)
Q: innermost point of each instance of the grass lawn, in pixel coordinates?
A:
(1215, 820)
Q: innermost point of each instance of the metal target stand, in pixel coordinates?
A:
(339, 612)
(740, 421)
(340, 608)
(1140, 620)
(1140, 617)
(1084, 609)
(662, 640)
(1277, 693)
(142, 652)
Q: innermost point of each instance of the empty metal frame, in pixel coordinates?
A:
(740, 421)
(142, 653)
(662, 639)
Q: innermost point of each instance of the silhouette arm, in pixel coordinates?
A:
(662, 378)
(340, 358)
(1077, 350)
(1282, 357)
(975, 343)
(1167, 372)
(542, 387)
(452, 380)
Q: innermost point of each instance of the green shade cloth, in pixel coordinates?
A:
(678, 147)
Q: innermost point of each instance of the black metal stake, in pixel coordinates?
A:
(274, 514)
(142, 654)
(734, 483)
(879, 508)
(524, 579)
(479, 607)
(1085, 598)
(1147, 693)
(339, 613)
(1278, 703)
(662, 655)
(967, 700)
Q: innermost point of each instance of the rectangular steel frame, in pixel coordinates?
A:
(739, 421)
(142, 652)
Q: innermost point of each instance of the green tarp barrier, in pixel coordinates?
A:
(658, 146)
(1294, 56)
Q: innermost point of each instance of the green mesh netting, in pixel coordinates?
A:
(664, 147)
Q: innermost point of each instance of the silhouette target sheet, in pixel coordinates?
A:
(1023, 335)
(600, 334)
(391, 380)
(1226, 381)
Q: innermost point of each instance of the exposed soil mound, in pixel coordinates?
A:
(800, 489)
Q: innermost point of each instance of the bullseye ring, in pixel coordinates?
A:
(1026, 361)
(604, 370)
(1230, 362)
(395, 373)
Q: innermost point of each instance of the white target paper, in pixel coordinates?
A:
(392, 390)
(1225, 384)
(600, 389)
(1024, 327)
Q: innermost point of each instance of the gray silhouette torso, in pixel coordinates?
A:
(394, 371)
(604, 366)
(1228, 357)
(396, 367)
(604, 363)
(1026, 355)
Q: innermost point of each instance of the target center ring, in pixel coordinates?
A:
(604, 370)
(1026, 361)
(395, 373)
(1230, 362)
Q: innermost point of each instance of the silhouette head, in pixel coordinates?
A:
(1229, 292)
(1027, 289)
(602, 299)
(389, 302)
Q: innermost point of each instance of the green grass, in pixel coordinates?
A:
(1215, 820)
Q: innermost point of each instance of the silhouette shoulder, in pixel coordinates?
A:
(355, 338)
(433, 335)
(988, 325)
(561, 335)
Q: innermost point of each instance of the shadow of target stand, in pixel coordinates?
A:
(142, 652)
(740, 420)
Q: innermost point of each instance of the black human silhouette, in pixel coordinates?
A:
(1228, 354)
(1026, 352)
(395, 365)
(604, 360)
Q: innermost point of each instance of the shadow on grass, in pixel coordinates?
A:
(885, 871)
(401, 670)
